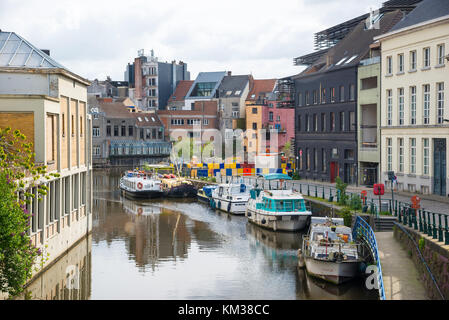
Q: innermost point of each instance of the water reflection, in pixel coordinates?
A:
(68, 279)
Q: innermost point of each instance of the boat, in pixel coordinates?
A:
(230, 197)
(278, 210)
(329, 252)
(205, 193)
(177, 187)
(140, 208)
(140, 185)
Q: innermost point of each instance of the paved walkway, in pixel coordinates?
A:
(401, 278)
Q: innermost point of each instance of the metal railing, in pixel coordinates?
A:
(363, 230)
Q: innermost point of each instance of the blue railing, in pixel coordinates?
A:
(363, 230)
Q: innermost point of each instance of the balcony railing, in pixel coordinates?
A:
(369, 136)
(369, 61)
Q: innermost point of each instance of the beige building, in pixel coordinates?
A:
(47, 103)
(414, 100)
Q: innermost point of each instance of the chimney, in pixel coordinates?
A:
(46, 51)
(229, 73)
(329, 60)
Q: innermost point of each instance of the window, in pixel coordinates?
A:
(73, 125)
(95, 131)
(413, 155)
(123, 131)
(153, 133)
(254, 110)
(413, 105)
(352, 92)
(270, 116)
(300, 99)
(235, 114)
(323, 122)
(342, 121)
(349, 154)
(401, 63)
(426, 107)
(389, 155)
(148, 134)
(300, 159)
(323, 95)
(426, 156)
(389, 65)
(342, 93)
(254, 125)
(206, 122)
(307, 98)
(95, 150)
(315, 159)
(323, 160)
(315, 97)
(315, 122)
(334, 153)
(108, 130)
(63, 125)
(332, 94)
(412, 60)
(389, 108)
(130, 131)
(401, 154)
(440, 102)
(307, 159)
(299, 122)
(141, 134)
(352, 120)
(278, 118)
(332, 121)
(440, 54)
(426, 57)
(81, 126)
(401, 105)
(115, 131)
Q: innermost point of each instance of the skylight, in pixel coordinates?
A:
(237, 92)
(341, 61)
(153, 119)
(350, 59)
(140, 119)
(146, 119)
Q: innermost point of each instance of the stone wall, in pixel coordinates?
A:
(435, 255)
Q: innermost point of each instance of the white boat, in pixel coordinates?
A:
(140, 209)
(329, 252)
(279, 210)
(140, 184)
(230, 197)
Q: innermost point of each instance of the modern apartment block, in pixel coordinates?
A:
(108, 88)
(47, 102)
(414, 100)
(152, 81)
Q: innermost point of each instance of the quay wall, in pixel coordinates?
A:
(435, 255)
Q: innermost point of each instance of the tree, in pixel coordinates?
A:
(18, 172)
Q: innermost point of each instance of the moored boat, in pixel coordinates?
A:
(329, 252)
(177, 187)
(230, 197)
(140, 185)
(279, 210)
(205, 193)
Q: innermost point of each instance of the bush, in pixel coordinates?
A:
(347, 216)
(355, 203)
(341, 188)
(421, 244)
(296, 176)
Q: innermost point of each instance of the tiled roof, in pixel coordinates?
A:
(118, 110)
(181, 91)
(233, 86)
(260, 87)
(424, 11)
(16, 52)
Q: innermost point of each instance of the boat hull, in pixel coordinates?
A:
(335, 272)
(272, 222)
(203, 198)
(147, 194)
(234, 207)
(187, 191)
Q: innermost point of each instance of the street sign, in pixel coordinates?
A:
(379, 189)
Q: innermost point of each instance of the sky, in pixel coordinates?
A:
(98, 38)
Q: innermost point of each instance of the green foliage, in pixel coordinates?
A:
(341, 187)
(355, 203)
(213, 179)
(385, 213)
(421, 244)
(296, 176)
(18, 172)
(346, 215)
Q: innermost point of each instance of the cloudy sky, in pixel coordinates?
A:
(97, 38)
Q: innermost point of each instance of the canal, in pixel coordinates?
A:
(180, 249)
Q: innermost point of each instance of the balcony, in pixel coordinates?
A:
(370, 61)
(369, 136)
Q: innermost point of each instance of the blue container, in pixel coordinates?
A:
(216, 171)
(279, 170)
(221, 165)
(237, 165)
(208, 190)
(229, 172)
(259, 170)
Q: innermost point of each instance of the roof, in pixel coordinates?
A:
(181, 90)
(18, 53)
(117, 110)
(233, 86)
(277, 176)
(353, 48)
(260, 87)
(424, 11)
(207, 77)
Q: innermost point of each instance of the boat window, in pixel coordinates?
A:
(299, 205)
(317, 236)
(288, 205)
(280, 205)
(270, 204)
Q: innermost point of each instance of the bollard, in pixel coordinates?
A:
(440, 229)
(308, 190)
(390, 209)
(300, 188)
(420, 221)
(415, 222)
(316, 191)
(324, 197)
(400, 214)
(429, 225)
(338, 195)
(331, 197)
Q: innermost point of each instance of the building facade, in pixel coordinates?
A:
(414, 100)
(47, 102)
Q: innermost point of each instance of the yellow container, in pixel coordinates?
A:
(253, 170)
(216, 166)
(210, 166)
(240, 171)
(189, 165)
(223, 172)
(265, 171)
(234, 172)
(193, 173)
(233, 165)
(211, 172)
(283, 165)
(284, 171)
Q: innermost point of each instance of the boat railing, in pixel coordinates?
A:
(324, 243)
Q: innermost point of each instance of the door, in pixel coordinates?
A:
(333, 170)
(439, 167)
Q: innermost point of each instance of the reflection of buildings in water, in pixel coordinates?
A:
(275, 240)
(68, 279)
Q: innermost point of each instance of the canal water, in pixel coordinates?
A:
(180, 249)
